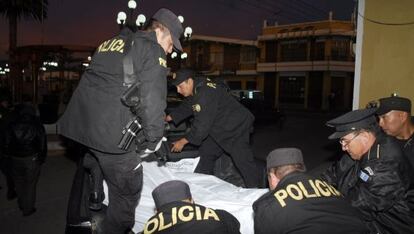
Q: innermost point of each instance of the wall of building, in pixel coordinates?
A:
(387, 51)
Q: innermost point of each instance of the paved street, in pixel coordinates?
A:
(303, 130)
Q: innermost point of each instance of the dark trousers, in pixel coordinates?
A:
(25, 173)
(5, 167)
(92, 164)
(123, 174)
(241, 154)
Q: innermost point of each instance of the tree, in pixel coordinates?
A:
(13, 11)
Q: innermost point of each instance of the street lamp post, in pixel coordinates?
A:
(127, 20)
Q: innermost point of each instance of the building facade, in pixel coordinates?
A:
(308, 65)
(233, 60)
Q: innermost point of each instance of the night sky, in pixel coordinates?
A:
(88, 22)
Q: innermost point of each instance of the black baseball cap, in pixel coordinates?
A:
(284, 156)
(182, 75)
(393, 103)
(170, 191)
(170, 20)
(352, 121)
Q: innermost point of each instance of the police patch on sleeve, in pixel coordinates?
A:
(363, 176)
(211, 85)
(196, 108)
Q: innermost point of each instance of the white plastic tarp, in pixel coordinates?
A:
(207, 190)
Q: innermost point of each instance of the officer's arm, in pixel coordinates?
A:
(343, 170)
(182, 112)
(205, 108)
(232, 224)
(265, 221)
(42, 142)
(152, 91)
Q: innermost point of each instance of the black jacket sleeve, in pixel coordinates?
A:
(42, 141)
(232, 224)
(265, 219)
(382, 190)
(205, 108)
(342, 174)
(152, 89)
(182, 112)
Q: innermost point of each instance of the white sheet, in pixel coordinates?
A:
(207, 190)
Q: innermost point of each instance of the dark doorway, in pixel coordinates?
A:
(315, 90)
(292, 91)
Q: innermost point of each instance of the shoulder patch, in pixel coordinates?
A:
(163, 62)
(211, 85)
(196, 108)
(363, 176)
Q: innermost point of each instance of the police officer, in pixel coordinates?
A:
(95, 116)
(395, 119)
(5, 167)
(374, 174)
(177, 213)
(26, 145)
(300, 203)
(221, 124)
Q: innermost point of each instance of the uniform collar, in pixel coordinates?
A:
(199, 81)
(150, 35)
(374, 151)
(287, 177)
(174, 204)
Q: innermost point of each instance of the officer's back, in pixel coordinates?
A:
(300, 203)
(177, 213)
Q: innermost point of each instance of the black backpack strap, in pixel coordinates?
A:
(129, 76)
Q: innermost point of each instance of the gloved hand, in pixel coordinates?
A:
(150, 147)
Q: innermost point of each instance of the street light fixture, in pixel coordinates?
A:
(121, 18)
(132, 4)
(127, 20)
(184, 55)
(187, 32)
(174, 54)
(140, 20)
(181, 18)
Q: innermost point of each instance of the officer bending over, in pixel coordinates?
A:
(300, 203)
(395, 119)
(221, 124)
(95, 116)
(374, 175)
(177, 213)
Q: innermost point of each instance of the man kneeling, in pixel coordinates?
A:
(300, 203)
(177, 213)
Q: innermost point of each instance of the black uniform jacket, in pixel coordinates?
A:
(25, 136)
(380, 185)
(183, 217)
(95, 115)
(407, 147)
(216, 113)
(304, 204)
